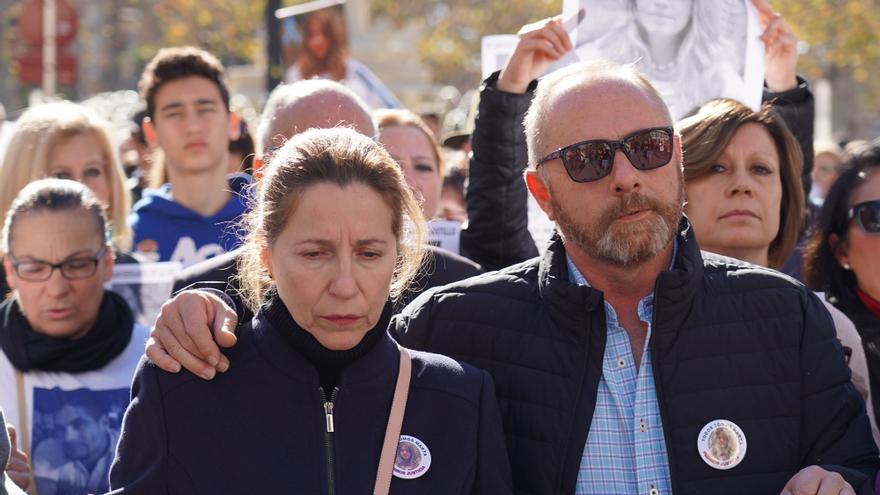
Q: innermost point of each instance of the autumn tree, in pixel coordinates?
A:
(842, 44)
(453, 29)
(229, 29)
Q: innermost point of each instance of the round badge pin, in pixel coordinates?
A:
(413, 458)
(721, 444)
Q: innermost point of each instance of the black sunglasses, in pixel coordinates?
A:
(587, 161)
(867, 214)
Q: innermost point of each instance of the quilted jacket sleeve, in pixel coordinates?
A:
(497, 234)
(797, 108)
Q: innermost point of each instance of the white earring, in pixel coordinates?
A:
(846, 266)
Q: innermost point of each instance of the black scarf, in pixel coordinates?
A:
(29, 350)
(329, 363)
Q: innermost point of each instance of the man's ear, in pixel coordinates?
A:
(234, 126)
(540, 191)
(150, 132)
(840, 250)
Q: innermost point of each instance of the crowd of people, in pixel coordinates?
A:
(705, 318)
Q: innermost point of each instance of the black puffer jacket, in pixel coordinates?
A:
(497, 235)
(729, 340)
(797, 108)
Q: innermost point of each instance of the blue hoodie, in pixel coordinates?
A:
(168, 231)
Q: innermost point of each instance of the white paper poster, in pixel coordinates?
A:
(495, 50)
(692, 51)
(145, 286)
(445, 234)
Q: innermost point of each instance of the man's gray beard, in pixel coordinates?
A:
(628, 244)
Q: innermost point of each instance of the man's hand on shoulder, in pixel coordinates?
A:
(813, 480)
(188, 331)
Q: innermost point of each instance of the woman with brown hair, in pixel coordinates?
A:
(305, 408)
(742, 172)
(742, 175)
(68, 347)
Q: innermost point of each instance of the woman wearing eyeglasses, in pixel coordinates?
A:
(70, 348)
(842, 258)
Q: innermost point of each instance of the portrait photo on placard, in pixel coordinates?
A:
(315, 44)
(74, 438)
(691, 50)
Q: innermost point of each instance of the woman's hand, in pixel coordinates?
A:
(780, 49)
(185, 331)
(540, 44)
(19, 467)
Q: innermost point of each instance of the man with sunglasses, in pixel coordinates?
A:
(619, 352)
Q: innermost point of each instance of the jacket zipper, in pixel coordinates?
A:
(328, 437)
(658, 389)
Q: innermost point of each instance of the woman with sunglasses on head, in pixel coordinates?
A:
(843, 257)
(69, 347)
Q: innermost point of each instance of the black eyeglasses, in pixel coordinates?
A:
(71, 269)
(592, 160)
(867, 214)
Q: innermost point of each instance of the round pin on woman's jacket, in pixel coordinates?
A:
(413, 458)
(721, 444)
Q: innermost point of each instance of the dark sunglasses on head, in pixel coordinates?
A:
(592, 160)
(867, 214)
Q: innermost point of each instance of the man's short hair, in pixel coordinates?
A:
(582, 72)
(174, 63)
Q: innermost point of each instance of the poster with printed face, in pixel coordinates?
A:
(312, 35)
(74, 439)
(691, 50)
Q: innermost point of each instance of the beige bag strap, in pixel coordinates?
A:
(23, 432)
(395, 421)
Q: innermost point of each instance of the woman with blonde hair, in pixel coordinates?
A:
(413, 146)
(67, 141)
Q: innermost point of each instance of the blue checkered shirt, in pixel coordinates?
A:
(625, 451)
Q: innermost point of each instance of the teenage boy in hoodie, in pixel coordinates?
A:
(193, 216)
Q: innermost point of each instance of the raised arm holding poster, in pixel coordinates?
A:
(691, 50)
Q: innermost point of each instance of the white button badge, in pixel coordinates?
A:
(721, 444)
(413, 458)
